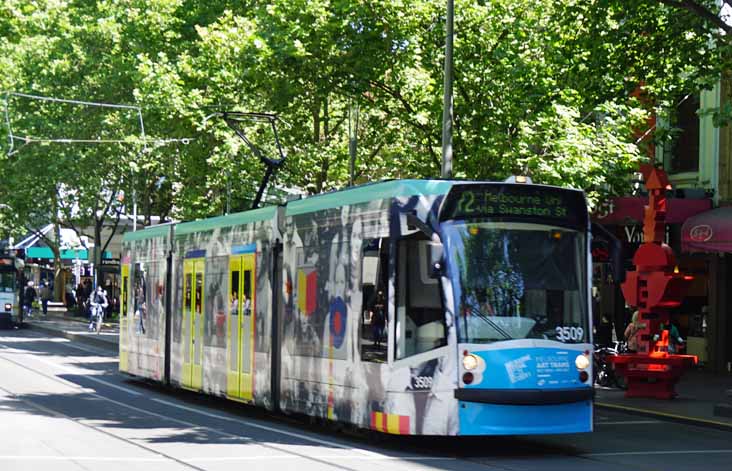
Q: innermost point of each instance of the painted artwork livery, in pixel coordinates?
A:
(361, 306)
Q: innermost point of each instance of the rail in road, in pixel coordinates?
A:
(65, 406)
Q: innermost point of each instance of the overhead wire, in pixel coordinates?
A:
(27, 139)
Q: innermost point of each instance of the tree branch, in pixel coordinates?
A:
(700, 11)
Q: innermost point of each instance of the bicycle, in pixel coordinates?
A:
(604, 371)
(97, 316)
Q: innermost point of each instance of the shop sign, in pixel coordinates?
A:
(634, 234)
(701, 233)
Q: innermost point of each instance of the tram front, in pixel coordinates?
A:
(517, 260)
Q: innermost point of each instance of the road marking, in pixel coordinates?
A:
(669, 452)
(269, 429)
(73, 371)
(80, 458)
(629, 422)
(321, 457)
(690, 420)
(217, 416)
(363, 452)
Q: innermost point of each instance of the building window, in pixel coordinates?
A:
(682, 155)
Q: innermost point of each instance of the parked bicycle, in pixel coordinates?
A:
(604, 371)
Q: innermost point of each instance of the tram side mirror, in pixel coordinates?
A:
(436, 260)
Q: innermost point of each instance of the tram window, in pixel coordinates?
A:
(216, 301)
(140, 299)
(234, 293)
(247, 299)
(420, 325)
(123, 304)
(187, 303)
(373, 319)
(199, 292)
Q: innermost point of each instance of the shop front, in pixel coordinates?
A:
(76, 271)
(709, 235)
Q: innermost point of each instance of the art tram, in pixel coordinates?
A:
(406, 307)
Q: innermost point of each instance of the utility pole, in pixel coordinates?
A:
(352, 139)
(447, 99)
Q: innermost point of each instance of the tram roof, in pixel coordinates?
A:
(234, 219)
(149, 232)
(369, 192)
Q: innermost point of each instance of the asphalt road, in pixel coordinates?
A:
(64, 407)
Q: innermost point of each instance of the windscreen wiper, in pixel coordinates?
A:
(479, 314)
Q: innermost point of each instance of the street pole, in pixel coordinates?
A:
(352, 140)
(447, 99)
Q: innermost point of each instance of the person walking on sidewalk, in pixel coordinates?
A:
(29, 296)
(631, 332)
(45, 296)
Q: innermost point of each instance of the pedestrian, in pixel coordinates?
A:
(98, 302)
(70, 296)
(45, 296)
(604, 331)
(675, 341)
(247, 306)
(29, 297)
(631, 332)
(378, 318)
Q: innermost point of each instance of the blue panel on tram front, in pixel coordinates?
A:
(528, 368)
(499, 419)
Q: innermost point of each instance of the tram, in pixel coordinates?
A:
(10, 305)
(421, 307)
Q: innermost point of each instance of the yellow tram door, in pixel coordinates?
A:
(240, 328)
(123, 321)
(193, 322)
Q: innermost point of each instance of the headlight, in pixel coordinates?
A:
(470, 362)
(8, 306)
(582, 362)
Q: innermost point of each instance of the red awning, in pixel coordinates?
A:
(628, 210)
(710, 231)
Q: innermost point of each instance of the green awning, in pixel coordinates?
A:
(66, 254)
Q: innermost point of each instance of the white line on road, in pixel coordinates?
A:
(658, 452)
(269, 429)
(122, 459)
(221, 417)
(199, 459)
(73, 371)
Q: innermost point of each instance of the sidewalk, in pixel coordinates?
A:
(699, 393)
(61, 323)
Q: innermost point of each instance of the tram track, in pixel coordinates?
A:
(323, 461)
(500, 454)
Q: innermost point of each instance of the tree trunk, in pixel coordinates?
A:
(58, 280)
(98, 222)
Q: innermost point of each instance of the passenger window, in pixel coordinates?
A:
(420, 325)
(140, 300)
(125, 288)
(374, 312)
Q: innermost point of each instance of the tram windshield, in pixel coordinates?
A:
(7, 281)
(516, 280)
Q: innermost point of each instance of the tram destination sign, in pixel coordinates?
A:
(515, 201)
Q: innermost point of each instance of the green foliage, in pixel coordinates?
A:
(542, 86)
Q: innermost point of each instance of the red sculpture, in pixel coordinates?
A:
(654, 287)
